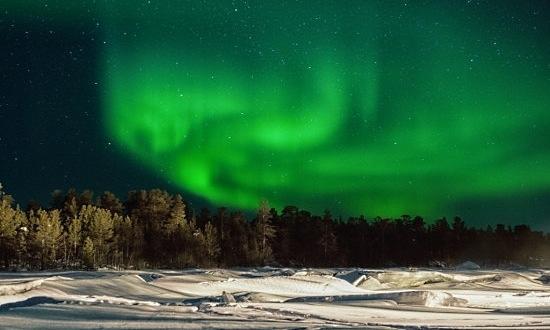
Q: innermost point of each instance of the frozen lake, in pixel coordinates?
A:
(276, 298)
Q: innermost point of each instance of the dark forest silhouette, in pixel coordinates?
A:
(154, 229)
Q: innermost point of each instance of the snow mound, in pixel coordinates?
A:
(16, 288)
(150, 277)
(284, 286)
(355, 277)
(371, 283)
(418, 298)
(407, 279)
(468, 265)
(308, 271)
(442, 280)
(37, 300)
(110, 300)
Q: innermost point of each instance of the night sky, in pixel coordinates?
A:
(436, 108)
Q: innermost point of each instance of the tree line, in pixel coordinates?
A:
(154, 229)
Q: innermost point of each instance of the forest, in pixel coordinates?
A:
(155, 229)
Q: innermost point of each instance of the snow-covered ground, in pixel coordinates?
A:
(276, 298)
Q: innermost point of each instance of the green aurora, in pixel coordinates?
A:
(377, 108)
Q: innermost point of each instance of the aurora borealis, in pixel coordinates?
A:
(372, 107)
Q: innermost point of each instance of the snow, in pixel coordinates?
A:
(468, 265)
(276, 298)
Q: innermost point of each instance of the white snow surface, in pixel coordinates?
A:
(267, 298)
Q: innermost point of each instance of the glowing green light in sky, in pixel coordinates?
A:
(378, 109)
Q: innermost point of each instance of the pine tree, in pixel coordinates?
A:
(70, 210)
(177, 234)
(22, 247)
(175, 219)
(74, 239)
(110, 202)
(88, 253)
(236, 242)
(221, 228)
(8, 229)
(211, 245)
(100, 232)
(327, 241)
(86, 198)
(47, 237)
(137, 244)
(265, 232)
(58, 200)
(13, 224)
(150, 209)
(458, 231)
(122, 228)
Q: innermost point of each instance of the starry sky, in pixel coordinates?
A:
(436, 108)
